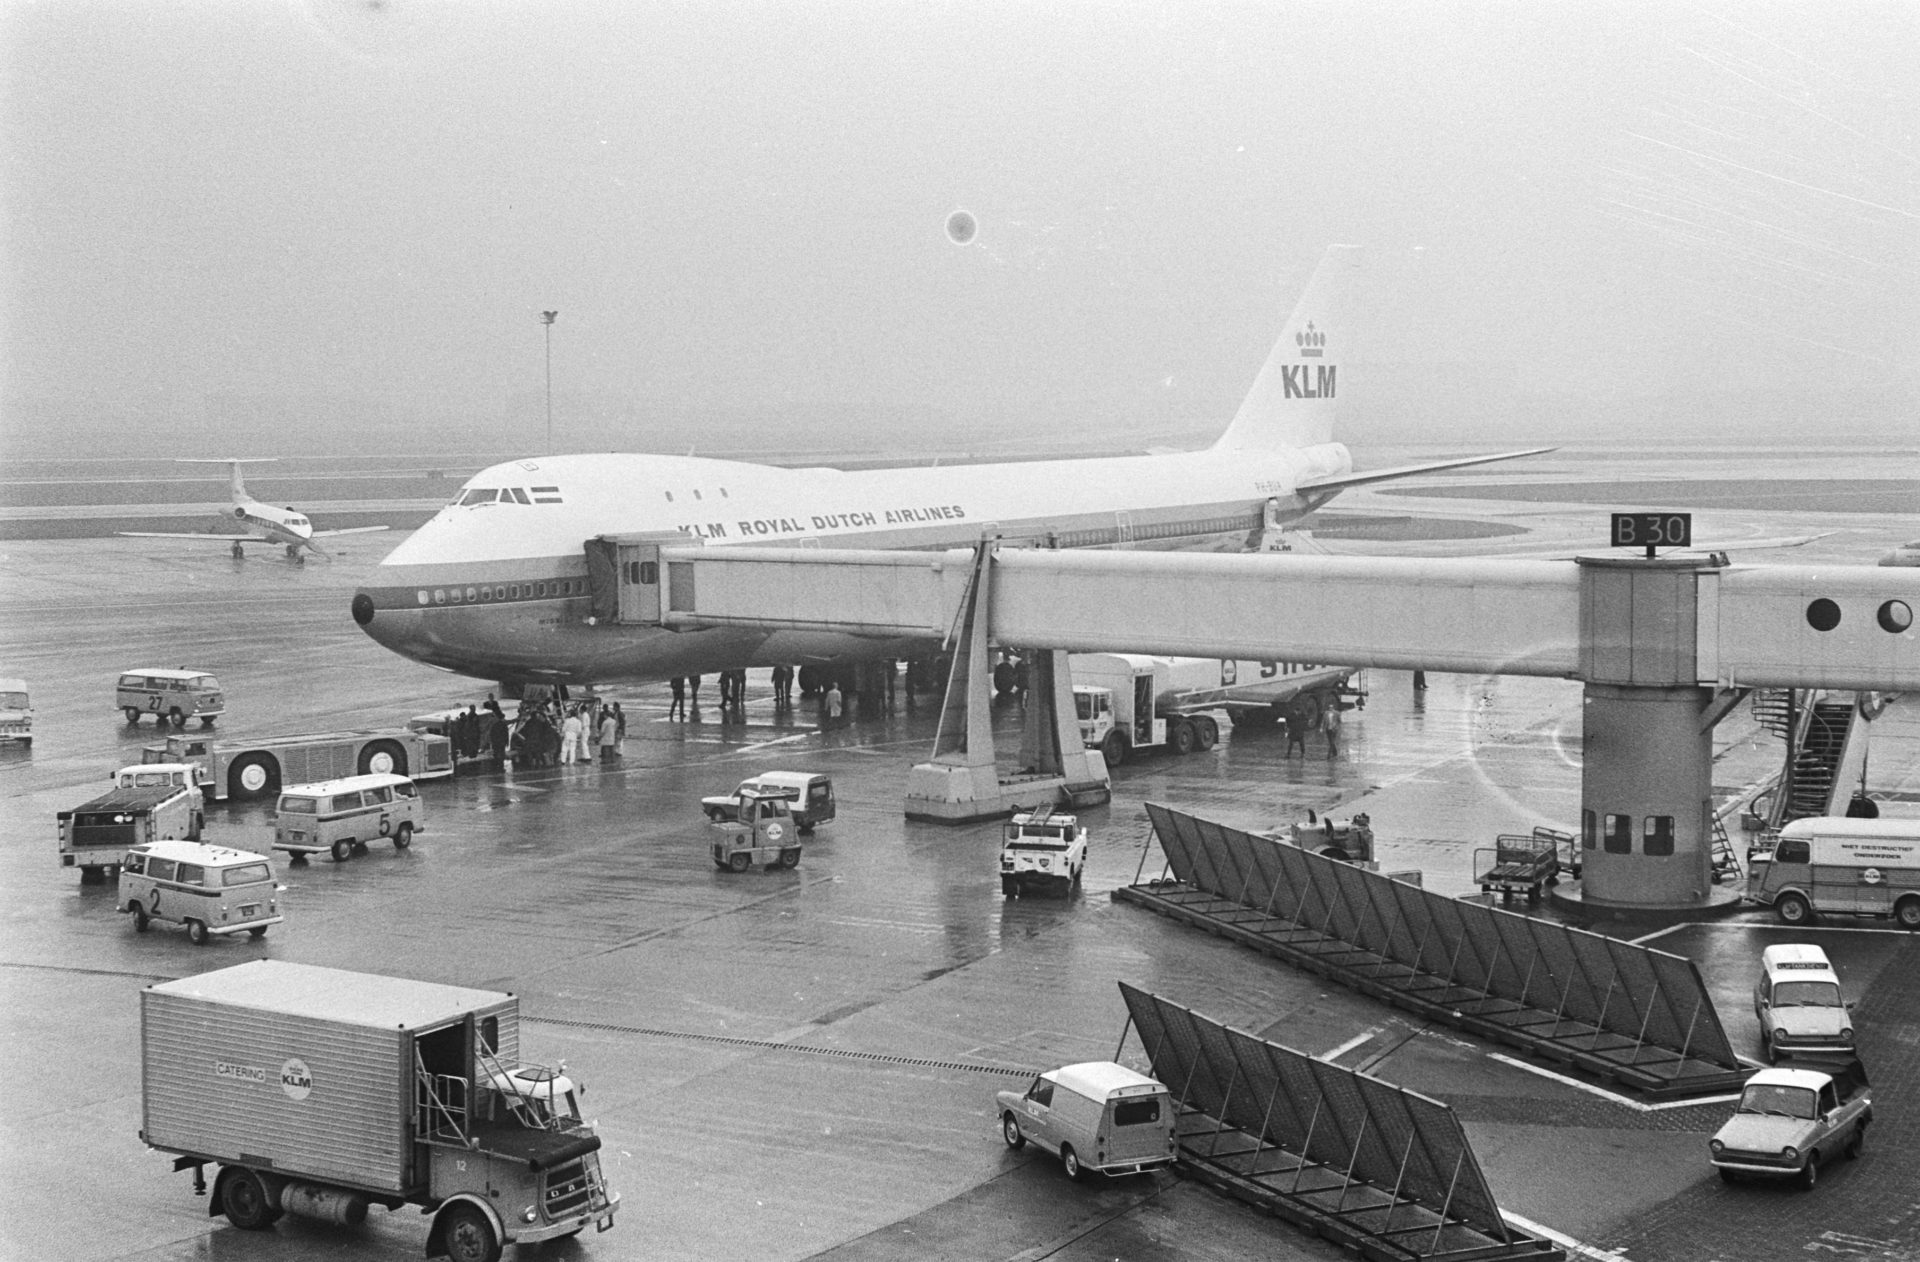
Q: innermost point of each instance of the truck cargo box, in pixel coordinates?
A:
(304, 1070)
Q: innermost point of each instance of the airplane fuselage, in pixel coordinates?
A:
(495, 584)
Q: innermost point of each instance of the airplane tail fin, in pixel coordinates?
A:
(235, 486)
(1292, 400)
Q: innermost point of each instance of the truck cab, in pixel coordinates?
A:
(16, 712)
(1798, 1003)
(1042, 850)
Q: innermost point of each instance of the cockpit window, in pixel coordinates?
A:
(519, 496)
(478, 497)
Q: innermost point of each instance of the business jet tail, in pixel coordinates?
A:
(1292, 400)
(235, 487)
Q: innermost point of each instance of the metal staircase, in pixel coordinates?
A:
(1819, 729)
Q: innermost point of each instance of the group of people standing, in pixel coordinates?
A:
(544, 731)
(733, 695)
(1296, 729)
(584, 724)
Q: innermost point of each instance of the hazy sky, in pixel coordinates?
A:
(331, 221)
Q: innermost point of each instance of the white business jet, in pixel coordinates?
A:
(286, 526)
(495, 585)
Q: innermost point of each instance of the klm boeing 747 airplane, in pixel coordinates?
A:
(495, 585)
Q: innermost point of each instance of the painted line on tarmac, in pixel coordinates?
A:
(1605, 1094)
(1578, 1248)
(1336, 1053)
(781, 740)
(1775, 928)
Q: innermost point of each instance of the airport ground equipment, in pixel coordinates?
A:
(1098, 1117)
(1833, 865)
(1623, 1013)
(321, 1092)
(1042, 850)
(1522, 864)
(1351, 842)
(1377, 1169)
(170, 696)
(231, 767)
(16, 712)
(1133, 701)
(762, 831)
(1792, 1122)
(211, 891)
(809, 796)
(1665, 647)
(95, 835)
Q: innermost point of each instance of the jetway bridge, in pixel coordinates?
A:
(1665, 647)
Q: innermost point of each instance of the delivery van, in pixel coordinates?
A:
(342, 816)
(1096, 1116)
(1830, 865)
(810, 792)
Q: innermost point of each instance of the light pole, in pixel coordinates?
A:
(547, 318)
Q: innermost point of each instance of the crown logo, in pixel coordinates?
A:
(1311, 342)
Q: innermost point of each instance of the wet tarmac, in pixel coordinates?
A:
(801, 1064)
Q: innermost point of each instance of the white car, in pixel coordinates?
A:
(1798, 1003)
(1097, 1116)
(1791, 1122)
(1042, 850)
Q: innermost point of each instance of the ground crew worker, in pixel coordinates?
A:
(570, 737)
(679, 705)
(1296, 734)
(609, 733)
(1330, 726)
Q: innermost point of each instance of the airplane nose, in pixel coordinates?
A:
(363, 609)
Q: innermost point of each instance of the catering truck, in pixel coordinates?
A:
(320, 1092)
(163, 805)
(1129, 701)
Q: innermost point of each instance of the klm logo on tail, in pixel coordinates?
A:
(1298, 383)
(1295, 380)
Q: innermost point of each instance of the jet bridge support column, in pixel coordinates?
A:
(962, 782)
(1646, 787)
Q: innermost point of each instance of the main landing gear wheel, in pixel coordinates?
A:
(1010, 1131)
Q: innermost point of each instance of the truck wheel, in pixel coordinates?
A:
(1208, 732)
(197, 932)
(469, 1236)
(132, 713)
(1183, 738)
(244, 1198)
(1906, 913)
(403, 835)
(1071, 1161)
(342, 850)
(739, 861)
(1114, 749)
(1010, 1131)
(252, 776)
(384, 758)
(1793, 909)
(1007, 887)
(138, 910)
(176, 718)
(790, 857)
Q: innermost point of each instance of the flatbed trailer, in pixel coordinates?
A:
(1523, 865)
(236, 767)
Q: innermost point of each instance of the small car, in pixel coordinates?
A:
(763, 833)
(809, 792)
(1042, 850)
(1097, 1116)
(1791, 1122)
(16, 712)
(1798, 1003)
(212, 890)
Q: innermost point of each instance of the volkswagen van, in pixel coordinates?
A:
(170, 696)
(1798, 1004)
(212, 890)
(342, 816)
(1096, 1116)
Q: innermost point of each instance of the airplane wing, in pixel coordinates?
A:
(1345, 480)
(347, 530)
(183, 534)
(1303, 541)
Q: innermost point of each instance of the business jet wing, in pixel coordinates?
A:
(347, 530)
(1344, 480)
(189, 534)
